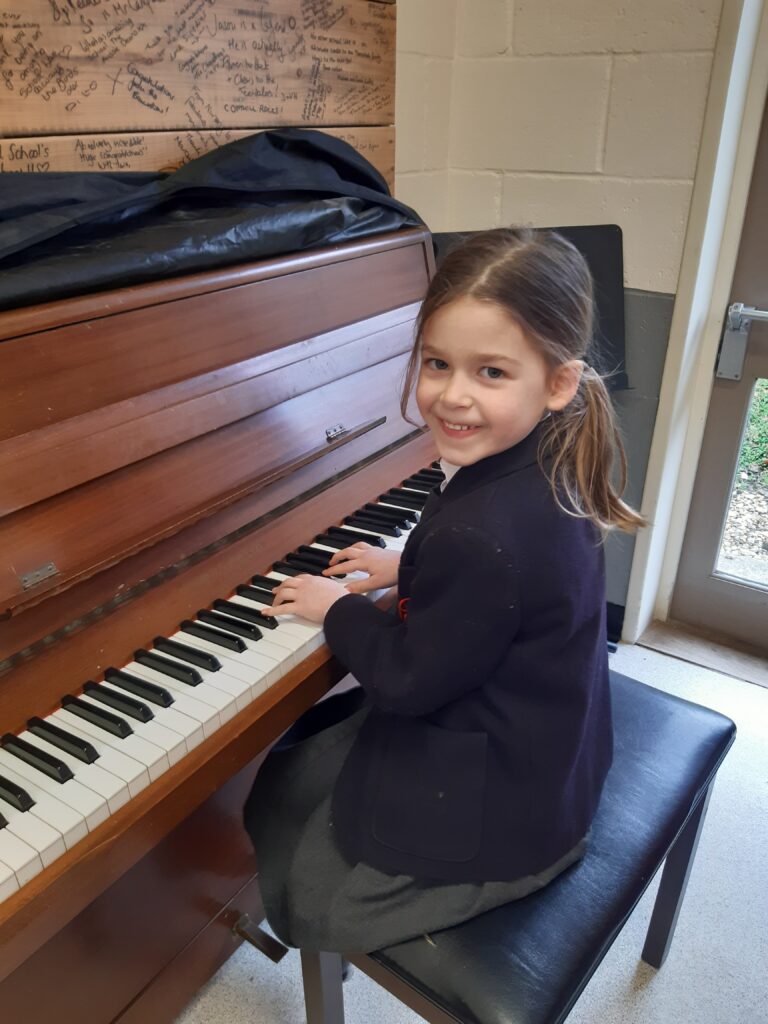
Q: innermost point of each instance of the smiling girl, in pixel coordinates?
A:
(466, 768)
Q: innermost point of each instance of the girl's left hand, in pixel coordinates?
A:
(307, 596)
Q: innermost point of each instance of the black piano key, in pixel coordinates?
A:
(308, 554)
(380, 526)
(264, 583)
(3, 822)
(401, 492)
(253, 594)
(353, 536)
(15, 795)
(429, 476)
(44, 762)
(422, 486)
(238, 627)
(58, 737)
(298, 563)
(393, 499)
(304, 565)
(139, 687)
(106, 720)
(172, 669)
(256, 594)
(241, 611)
(391, 515)
(332, 542)
(126, 705)
(201, 659)
(228, 641)
(288, 570)
(322, 557)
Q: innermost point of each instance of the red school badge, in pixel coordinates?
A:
(402, 608)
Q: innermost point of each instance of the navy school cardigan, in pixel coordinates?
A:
(489, 737)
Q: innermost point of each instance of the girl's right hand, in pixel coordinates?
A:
(380, 564)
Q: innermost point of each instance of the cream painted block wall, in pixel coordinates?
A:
(556, 112)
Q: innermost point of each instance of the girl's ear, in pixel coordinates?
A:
(564, 383)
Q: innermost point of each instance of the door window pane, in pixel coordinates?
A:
(744, 546)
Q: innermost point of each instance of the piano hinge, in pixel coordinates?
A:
(31, 579)
(335, 432)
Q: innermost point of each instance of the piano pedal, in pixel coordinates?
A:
(266, 944)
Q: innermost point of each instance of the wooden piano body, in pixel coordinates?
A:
(158, 445)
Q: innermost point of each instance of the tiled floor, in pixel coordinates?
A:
(716, 971)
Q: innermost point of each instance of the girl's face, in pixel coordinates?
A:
(482, 386)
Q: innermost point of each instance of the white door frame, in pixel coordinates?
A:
(734, 110)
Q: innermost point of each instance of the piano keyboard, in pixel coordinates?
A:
(66, 774)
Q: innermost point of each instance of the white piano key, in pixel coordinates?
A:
(149, 754)
(168, 741)
(132, 772)
(33, 830)
(8, 882)
(183, 696)
(70, 823)
(172, 718)
(19, 857)
(247, 667)
(90, 805)
(113, 789)
(225, 694)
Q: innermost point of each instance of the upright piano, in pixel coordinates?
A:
(166, 452)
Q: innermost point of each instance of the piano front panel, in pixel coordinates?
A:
(141, 503)
(101, 359)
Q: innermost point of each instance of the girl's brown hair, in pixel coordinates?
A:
(544, 285)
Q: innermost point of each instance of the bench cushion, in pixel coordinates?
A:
(527, 962)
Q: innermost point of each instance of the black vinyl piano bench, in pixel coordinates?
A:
(528, 961)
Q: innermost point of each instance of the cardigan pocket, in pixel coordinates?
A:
(430, 794)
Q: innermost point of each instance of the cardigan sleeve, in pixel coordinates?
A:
(463, 614)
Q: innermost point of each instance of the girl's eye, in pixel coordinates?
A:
(493, 372)
(437, 364)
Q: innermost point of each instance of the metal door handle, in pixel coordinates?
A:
(738, 313)
(733, 347)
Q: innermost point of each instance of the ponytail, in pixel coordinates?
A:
(578, 445)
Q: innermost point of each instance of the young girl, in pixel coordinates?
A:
(465, 770)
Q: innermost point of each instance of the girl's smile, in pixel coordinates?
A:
(482, 386)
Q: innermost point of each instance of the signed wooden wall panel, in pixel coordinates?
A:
(149, 84)
(164, 151)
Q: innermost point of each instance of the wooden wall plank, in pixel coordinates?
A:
(163, 151)
(71, 66)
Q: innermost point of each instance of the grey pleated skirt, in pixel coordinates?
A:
(313, 897)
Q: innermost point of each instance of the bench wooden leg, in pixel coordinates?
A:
(674, 880)
(323, 996)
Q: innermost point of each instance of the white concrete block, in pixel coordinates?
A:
(427, 27)
(427, 194)
(410, 87)
(652, 215)
(619, 26)
(529, 114)
(437, 113)
(483, 27)
(656, 113)
(474, 200)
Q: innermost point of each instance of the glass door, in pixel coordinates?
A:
(722, 580)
